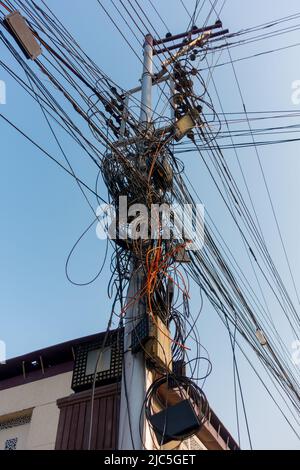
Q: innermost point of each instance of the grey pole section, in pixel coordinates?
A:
(146, 100)
(134, 377)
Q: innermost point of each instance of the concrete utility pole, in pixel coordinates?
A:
(146, 100)
(134, 381)
(134, 432)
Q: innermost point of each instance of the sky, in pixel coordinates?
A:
(43, 213)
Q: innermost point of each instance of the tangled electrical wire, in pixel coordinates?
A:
(143, 165)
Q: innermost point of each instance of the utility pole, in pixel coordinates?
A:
(134, 431)
(132, 423)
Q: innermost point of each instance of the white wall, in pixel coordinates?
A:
(21, 432)
(41, 396)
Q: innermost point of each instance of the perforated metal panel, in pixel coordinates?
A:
(140, 334)
(82, 376)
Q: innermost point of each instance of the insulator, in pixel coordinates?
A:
(120, 107)
(190, 135)
(186, 82)
(178, 99)
(184, 108)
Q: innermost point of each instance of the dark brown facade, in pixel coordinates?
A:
(75, 414)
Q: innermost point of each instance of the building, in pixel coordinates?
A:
(39, 409)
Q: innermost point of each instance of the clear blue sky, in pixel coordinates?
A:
(43, 212)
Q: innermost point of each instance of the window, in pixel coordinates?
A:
(104, 361)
